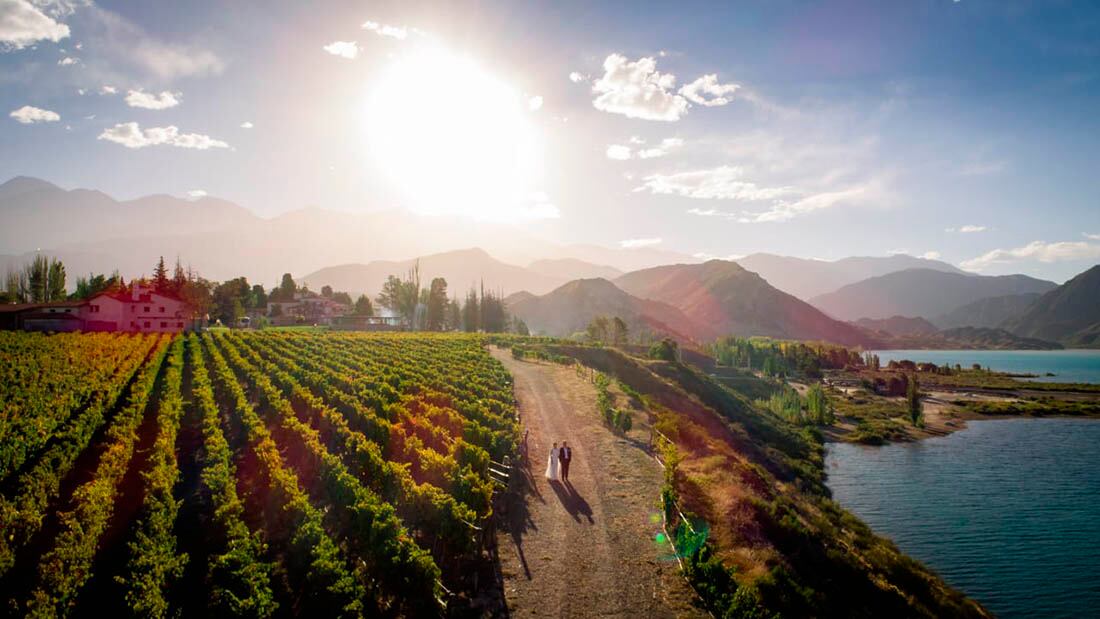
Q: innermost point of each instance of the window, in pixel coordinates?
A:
(161, 309)
(146, 324)
(93, 309)
(179, 324)
(133, 308)
(163, 325)
(147, 308)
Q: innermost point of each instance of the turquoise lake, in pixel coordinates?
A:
(1068, 366)
(1007, 511)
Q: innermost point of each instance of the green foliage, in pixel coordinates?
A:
(913, 403)
(64, 569)
(782, 358)
(154, 562)
(79, 380)
(665, 350)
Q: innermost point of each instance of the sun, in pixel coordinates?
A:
(451, 138)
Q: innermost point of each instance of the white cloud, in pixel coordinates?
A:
(125, 42)
(706, 91)
(623, 153)
(721, 183)
(534, 103)
(81, 91)
(637, 90)
(247, 124)
(107, 90)
(967, 229)
(537, 206)
(1040, 251)
(785, 211)
(23, 24)
(636, 243)
(131, 135)
(150, 101)
(28, 115)
(618, 152)
(343, 49)
(195, 194)
(67, 61)
(931, 255)
(397, 32)
(577, 78)
(667, 145)
(1095, 237)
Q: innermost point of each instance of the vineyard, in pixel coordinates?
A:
(258, 474)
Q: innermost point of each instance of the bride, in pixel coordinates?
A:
(552, 464)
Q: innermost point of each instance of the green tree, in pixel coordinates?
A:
(402, 296)
(817, 405)
(285, 291)
(437, 304)
(598, 329)
(342, 297)
(665, 350)
(912, 398)
(471, 313)
(160, 277)
(40, 281)
(619, 331)
(494, 318)
(230, 298)
(326, 291)
(258, 298)
(454, 314)
(363, 306)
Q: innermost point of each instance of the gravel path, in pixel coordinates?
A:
(586, 548)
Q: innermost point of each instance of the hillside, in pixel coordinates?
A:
(988, 312)
(806, 278)
(731, 300)
(462, 269)
(774, 543)
(1069, 314)
(921, 292)
(898, 325)
(569, 308)
(968, 338)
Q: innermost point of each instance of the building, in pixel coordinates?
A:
(141, 310)
(306, 308)
(368, 323)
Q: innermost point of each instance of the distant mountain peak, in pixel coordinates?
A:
(26, 184)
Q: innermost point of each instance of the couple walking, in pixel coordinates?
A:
(560, 457)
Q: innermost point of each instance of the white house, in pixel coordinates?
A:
(142, 310)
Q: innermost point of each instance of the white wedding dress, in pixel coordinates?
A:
(552, 465)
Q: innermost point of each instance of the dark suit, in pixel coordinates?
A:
(565, 456)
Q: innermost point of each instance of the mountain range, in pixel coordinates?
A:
(93, 232)
(562, 286)
(921, 292)
(806, 278)
(1069, 314)
(462, 269)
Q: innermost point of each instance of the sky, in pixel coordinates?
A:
(965, 131)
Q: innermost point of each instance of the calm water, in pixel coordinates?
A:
(1069, 366)
(1006, 511)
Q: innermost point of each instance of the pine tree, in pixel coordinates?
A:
(160, 276)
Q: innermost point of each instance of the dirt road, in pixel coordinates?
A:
(586, 548)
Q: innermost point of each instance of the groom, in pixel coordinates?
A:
(565, 456)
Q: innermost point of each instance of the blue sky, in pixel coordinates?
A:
(964, 130)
